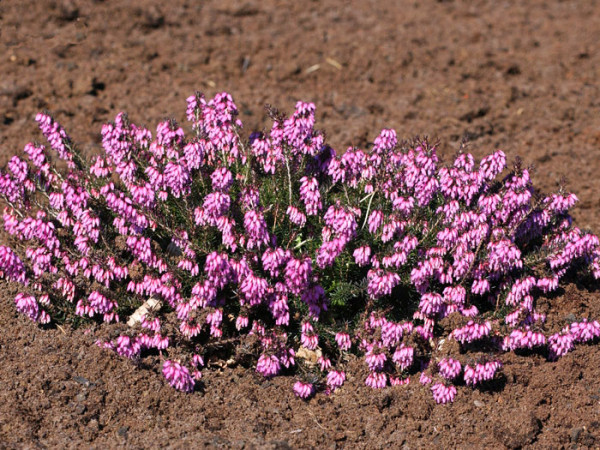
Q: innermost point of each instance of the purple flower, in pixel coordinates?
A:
(314, 298)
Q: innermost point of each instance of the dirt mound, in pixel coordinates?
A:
(520, 76)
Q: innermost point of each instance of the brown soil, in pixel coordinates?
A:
(521, 76)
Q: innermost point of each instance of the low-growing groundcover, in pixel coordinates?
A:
(274, 252)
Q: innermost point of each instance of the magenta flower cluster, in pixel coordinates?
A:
(278, 244)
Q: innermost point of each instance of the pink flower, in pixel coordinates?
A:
(268, 366)
(560, 343)
(56, 135)
(198, 360)
(296, 216)
(254, 289)
(375, 220)
(449, 368)
(397, 381)
(442, 393)
(585, 331)
(222, 179)
(431, 303)
(335, 379)
(256, 229)
(309, 340)
(310, 195)
(28, 305)
(297, 274)
(523, 339)
(343, 341)
(128, 347)
(375, 361)
(425, 379)
(381, 283)
(303, 390)
(362, 255)
(178, 376)
(391, 333)
(324, 363)
(472, 331)
(11, 266)
(241, 322)
(213, 228)
(376, 380)
(403, 356)
(273, 259)
(481, 372)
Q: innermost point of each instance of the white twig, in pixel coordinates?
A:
(368, 210)
(152, 304)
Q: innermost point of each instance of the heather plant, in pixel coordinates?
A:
(208, 242)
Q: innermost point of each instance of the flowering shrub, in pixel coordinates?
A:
(276, 244)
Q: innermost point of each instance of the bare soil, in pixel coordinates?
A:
(520, 76)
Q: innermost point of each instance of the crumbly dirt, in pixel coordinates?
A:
(520, 76)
